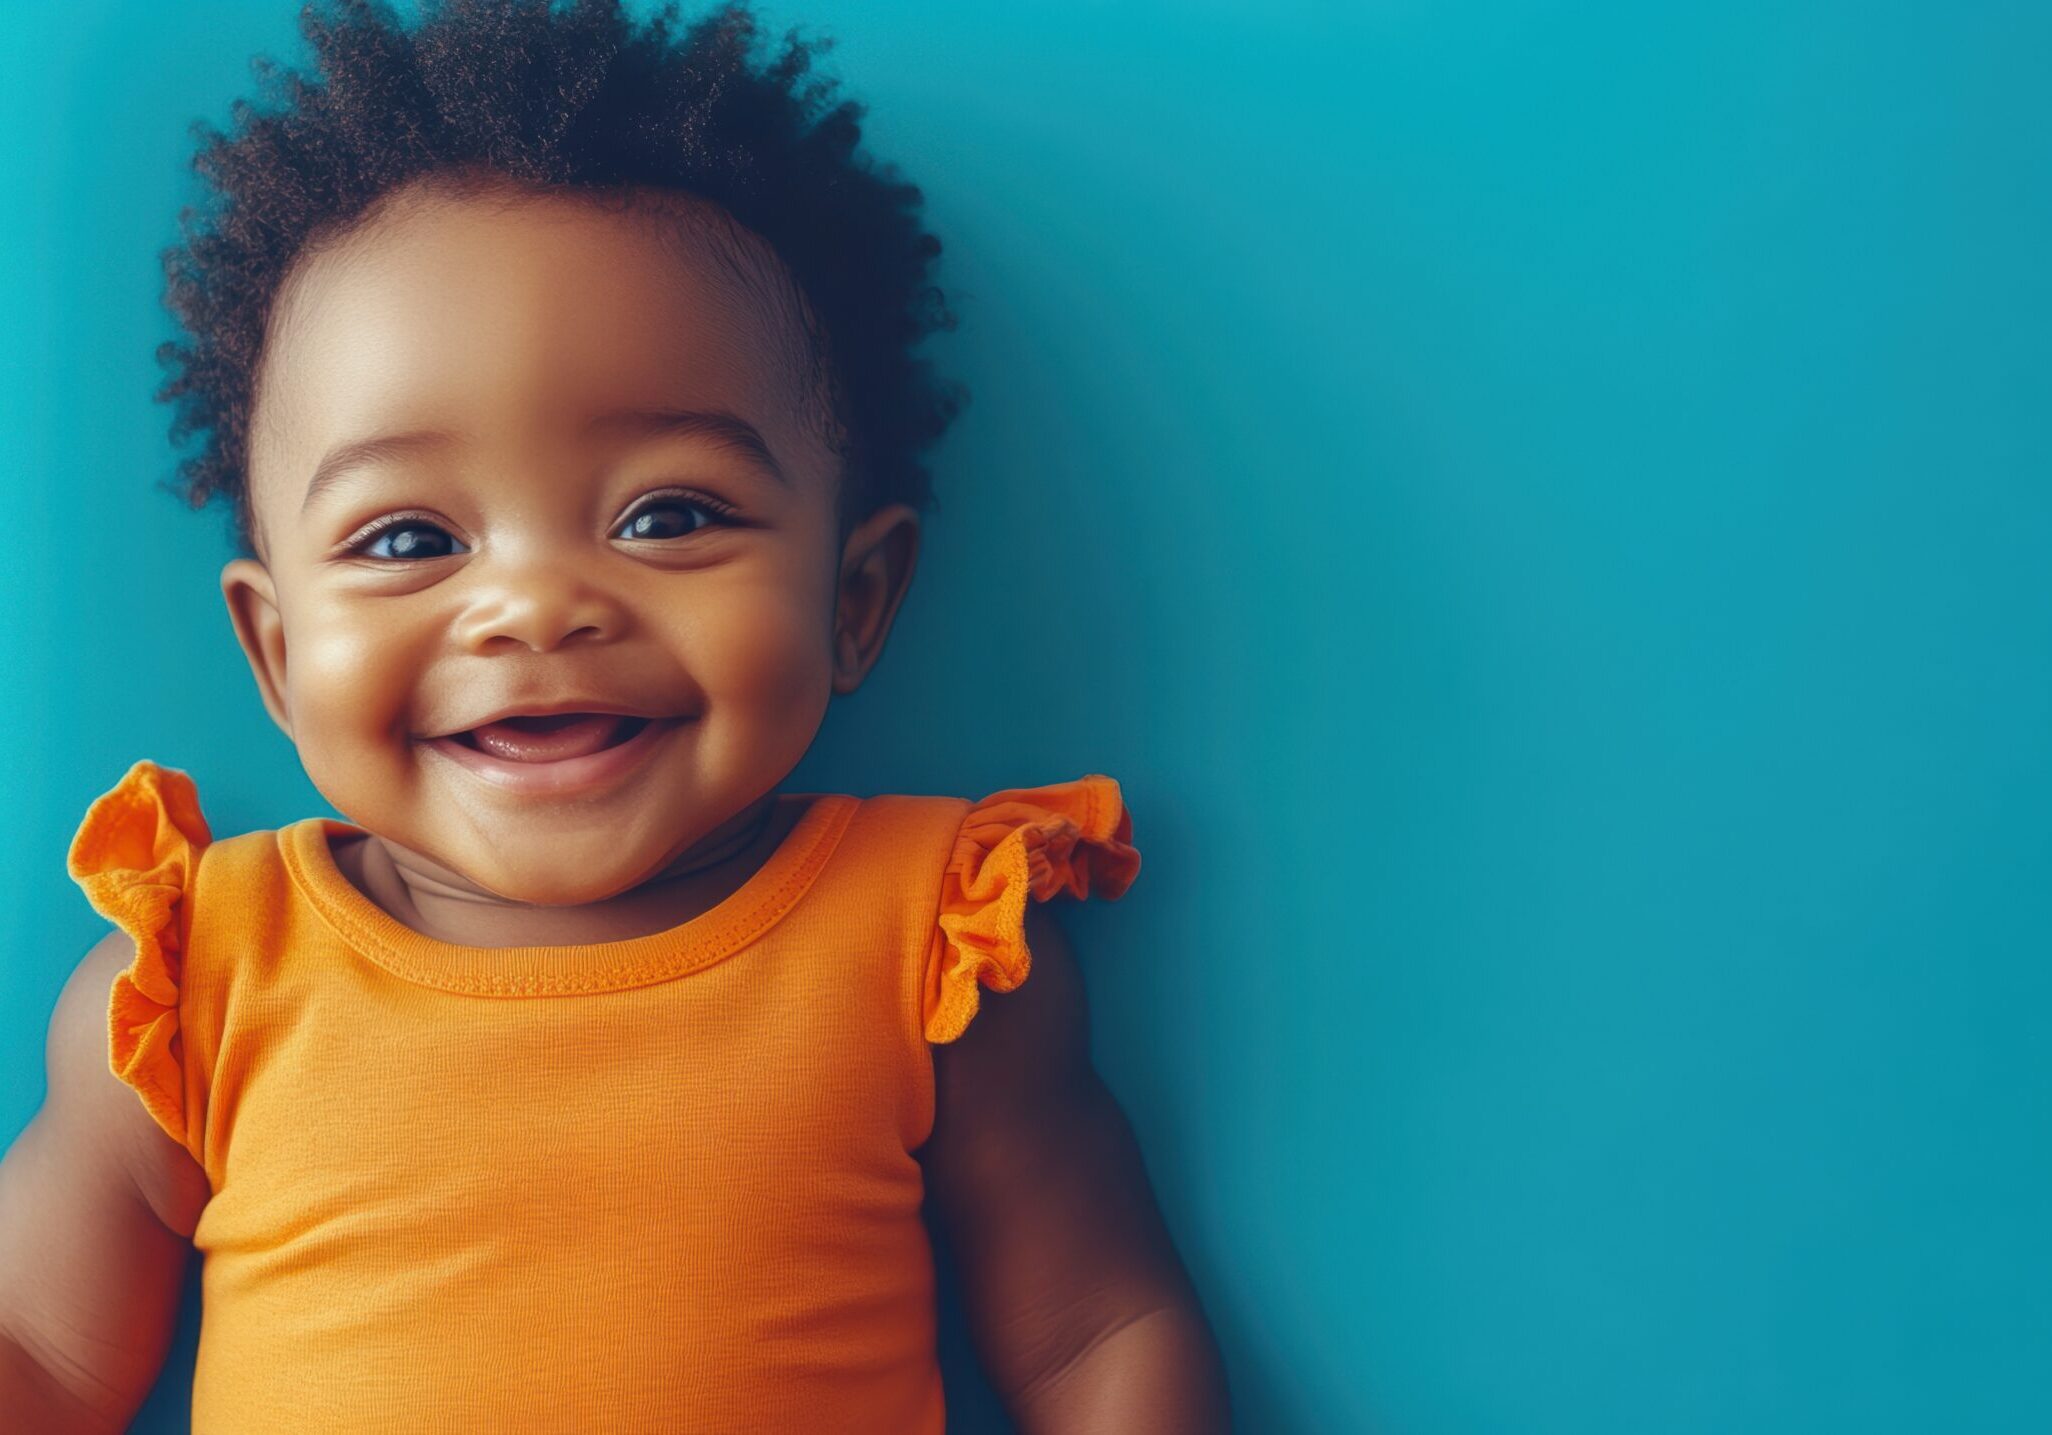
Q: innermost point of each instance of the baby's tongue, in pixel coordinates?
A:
(547, 739)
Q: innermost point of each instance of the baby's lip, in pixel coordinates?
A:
(548, 709)
(582, 759)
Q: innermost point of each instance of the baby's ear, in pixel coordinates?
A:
(876, 569)
(253, 609)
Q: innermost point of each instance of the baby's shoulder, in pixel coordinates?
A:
(148, 861)
(144, 851)
(983, 863)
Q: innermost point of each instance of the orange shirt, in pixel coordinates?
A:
(660, 1184)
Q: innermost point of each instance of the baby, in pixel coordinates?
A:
(557, 369)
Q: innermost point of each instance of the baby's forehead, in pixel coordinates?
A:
(535, 310)
(550, 277)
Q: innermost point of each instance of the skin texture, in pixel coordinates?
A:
(512, 321)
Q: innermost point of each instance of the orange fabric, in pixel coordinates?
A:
(1019, 843)
(658, 1184)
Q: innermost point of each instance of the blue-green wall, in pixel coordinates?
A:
(1544, 508)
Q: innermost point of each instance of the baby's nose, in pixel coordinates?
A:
(539, 607)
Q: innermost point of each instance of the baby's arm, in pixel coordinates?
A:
(97, 1210)
(1078, 1305)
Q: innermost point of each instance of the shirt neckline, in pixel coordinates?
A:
(569, 969)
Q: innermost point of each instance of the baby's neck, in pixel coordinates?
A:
(429, 898)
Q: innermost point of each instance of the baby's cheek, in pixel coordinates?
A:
(771, 663)
(349, 690)
(774, 653)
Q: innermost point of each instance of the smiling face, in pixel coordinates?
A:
(601, 486)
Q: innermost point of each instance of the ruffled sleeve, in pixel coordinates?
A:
(1021, 843)
(135, 855)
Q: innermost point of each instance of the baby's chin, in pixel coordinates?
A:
(547, 856)
(545, 848)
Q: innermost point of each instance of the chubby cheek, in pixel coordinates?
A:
(349, 686)
(764, 666)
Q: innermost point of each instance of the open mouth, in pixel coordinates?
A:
(555, 738)
(561, 755)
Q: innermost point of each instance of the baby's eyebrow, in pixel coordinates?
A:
(729, 431)
(344, 458)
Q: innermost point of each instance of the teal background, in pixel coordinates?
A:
(1544, 509)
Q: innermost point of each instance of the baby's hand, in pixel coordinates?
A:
(1078, 1305)
(97, 1210)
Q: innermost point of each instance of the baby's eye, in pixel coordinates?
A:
(670, 517)
(410, 539)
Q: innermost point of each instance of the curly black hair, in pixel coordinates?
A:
(581, 97)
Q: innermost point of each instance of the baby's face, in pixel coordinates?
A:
(532, 535)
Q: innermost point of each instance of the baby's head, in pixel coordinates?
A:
(551, 361)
